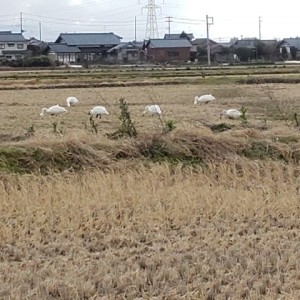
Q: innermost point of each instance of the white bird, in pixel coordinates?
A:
(152, 110)
(231, 113)
(98, 111)
(71, 101)
(53, 110)
(204, 99)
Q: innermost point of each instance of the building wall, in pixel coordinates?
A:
(168, 54)
(12, 46)
(64, 57)
(125, 56)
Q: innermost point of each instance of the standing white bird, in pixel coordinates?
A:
(53, 110)
(71, 101)
(152, 110)
(98, 111)
(231, 113)
(204, 99)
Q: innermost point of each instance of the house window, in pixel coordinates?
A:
(11, 45)
(173, 53)
(20, 46)
(2, 46)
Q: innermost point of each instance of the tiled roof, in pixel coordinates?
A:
(172, 36)
(8, 36)
(117, 47)
(293, 42)
(128, 46)
(63, 48)
(246, 43)
(174, 43)
(202, 42)
(85, 39)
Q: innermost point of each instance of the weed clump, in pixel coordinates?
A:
(243, 117)
(169, 126)
(127, 128)
(57, 128)
(30, 131)
(94, 125)
(220, 127)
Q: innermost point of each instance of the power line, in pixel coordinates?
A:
(4, 16)
(189, 23)
(95, 22)
(78, 23)
(192, 20)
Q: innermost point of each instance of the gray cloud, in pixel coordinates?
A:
(231, 17)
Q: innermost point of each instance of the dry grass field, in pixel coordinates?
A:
(20, 109)
(191, 214)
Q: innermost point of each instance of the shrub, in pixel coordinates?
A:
(37, 61)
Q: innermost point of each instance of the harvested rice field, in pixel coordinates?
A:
(207, 209)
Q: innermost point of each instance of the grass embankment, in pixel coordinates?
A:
(188, 215)
(179, 147)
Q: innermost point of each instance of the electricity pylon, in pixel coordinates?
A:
(151, 27)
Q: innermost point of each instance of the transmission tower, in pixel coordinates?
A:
(151, 27)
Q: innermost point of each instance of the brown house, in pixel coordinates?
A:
(165, 50)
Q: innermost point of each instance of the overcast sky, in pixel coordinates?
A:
(232, 18)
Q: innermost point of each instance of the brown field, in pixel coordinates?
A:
(210, 215)
(20, 109)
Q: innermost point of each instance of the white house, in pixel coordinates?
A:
(12, 45)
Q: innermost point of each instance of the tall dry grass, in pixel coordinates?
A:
(146, 231)
(230, 232)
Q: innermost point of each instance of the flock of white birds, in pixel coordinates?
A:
(56, 110)
(153, 109)
(229, 113)
(96, 111)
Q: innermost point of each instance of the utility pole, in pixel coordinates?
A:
(209, 21)
(169, 21)
(21, 22)
(151, 27)
(135, 28)
(259, 27)
(40, 30)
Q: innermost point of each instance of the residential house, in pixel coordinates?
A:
(245, 43)
(63, 53)
(218, 53)
(201, 43)
(92, 46)
(255, 49)
(183, 35)
(130, 52)
(291, 48)
(36, 47)
(12, 45)
(168, 51)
